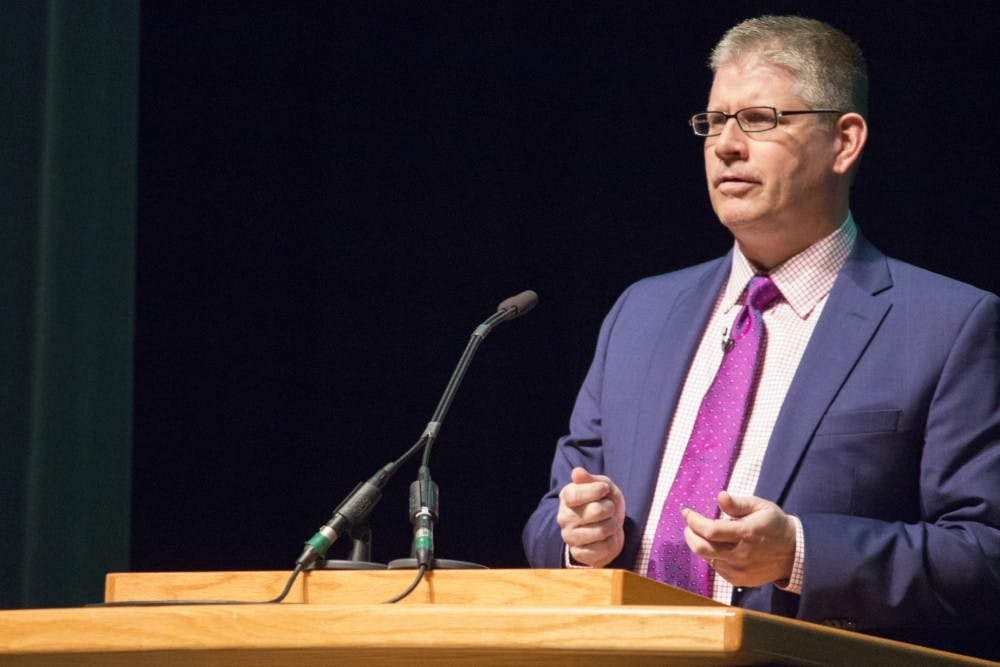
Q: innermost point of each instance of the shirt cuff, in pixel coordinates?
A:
(570, 563)
(794, 583)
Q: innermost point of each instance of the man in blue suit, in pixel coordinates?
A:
(865, 487)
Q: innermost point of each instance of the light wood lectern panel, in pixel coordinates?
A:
(533, 588)
(501, 617)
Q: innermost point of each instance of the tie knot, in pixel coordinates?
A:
(762, 293)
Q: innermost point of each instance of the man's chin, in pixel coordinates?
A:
(735, 210)
(734, 218)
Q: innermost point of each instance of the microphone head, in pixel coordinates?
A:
(519, 304)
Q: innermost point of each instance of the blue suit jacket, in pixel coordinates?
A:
(887, 446)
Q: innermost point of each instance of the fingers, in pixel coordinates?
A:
(579, 534)
(589, 500)
(586, 488)
(755, 546)
(716, 531)
(588, 514)
(591, 517)
(596, 554)
(595, 512)
(739, 506)
(575, 494)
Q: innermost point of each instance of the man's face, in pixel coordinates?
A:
(775, 186)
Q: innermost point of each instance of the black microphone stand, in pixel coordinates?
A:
(360, 556)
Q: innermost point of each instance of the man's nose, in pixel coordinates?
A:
(732, 140)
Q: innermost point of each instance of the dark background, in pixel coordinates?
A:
(333, 195)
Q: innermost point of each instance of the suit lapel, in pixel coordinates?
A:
(855, 309)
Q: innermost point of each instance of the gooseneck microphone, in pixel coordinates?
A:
(353, 512)
(508, 309)
(424, 492)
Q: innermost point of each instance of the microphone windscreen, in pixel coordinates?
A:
(522, 303)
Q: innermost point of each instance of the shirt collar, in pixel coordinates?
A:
(803, 279)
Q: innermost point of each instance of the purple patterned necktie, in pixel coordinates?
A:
(708, 458)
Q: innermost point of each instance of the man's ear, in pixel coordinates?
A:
(851, 133)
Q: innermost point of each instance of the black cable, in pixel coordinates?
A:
(421, 441)
(288, 586)
(413, 587)
(167, 603)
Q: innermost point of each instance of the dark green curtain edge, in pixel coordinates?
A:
(69, 308)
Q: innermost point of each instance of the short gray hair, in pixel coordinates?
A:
(829, 67)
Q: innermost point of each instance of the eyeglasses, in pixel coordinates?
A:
(751, 119)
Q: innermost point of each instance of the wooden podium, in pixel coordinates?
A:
(463, 617)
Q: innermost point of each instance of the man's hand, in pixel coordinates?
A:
(592, 518)
(755, 547)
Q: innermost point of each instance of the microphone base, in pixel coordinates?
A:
(436, 564)
(345, 565)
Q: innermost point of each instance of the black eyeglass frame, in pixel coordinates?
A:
(776, 114)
